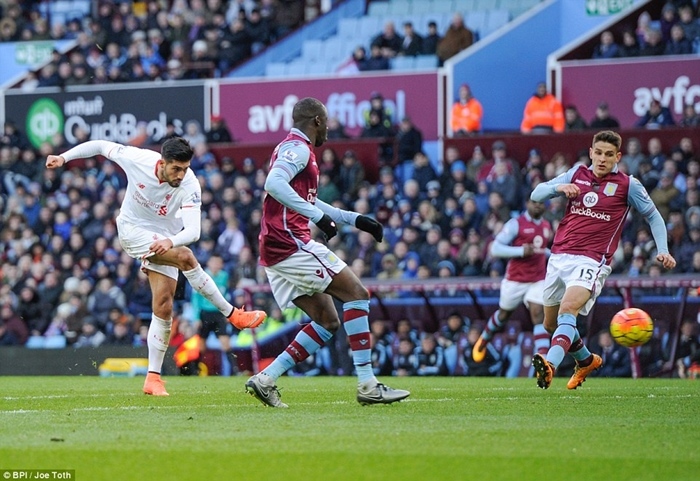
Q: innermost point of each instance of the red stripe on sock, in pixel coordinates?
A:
(352, 314)
(359, 342)
(563, 341)
(540, 337)
(297, 351)
(311, 332)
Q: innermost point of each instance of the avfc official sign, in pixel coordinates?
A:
(132, 115)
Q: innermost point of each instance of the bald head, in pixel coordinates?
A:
(306, 109)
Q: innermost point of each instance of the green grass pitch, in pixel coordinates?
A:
(449, 429)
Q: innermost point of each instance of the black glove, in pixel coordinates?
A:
(370, 225)
(327, 226)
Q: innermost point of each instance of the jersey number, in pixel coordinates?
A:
(586, 274)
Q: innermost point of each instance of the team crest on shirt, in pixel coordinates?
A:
(610, 189)
(590, 199)
(332, 258)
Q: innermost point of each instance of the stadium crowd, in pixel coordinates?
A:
(64, 272)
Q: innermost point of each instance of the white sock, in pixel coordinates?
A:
(205, 285)
(158, 339)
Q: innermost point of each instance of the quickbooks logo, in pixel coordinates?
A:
(44, 120)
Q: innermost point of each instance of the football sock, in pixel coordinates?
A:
(157, 341)
(356, 324)
(541, 339)
(205, 285)
(306, 342)
(580, 352)
(492, 326)
(562, 338)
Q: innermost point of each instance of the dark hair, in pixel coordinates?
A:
(306, 109)
(176, 148)
(609, 137)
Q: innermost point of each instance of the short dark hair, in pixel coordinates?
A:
(176, 148)
(306, 109)
(609, 137)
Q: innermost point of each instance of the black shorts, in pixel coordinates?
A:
(213, 321)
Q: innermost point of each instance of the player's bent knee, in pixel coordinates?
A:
(186, 259)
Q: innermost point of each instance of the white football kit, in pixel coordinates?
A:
(151, 210)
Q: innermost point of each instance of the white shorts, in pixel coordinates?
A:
(513, 293)
(566, 270)
(136, 240)
(304, 273)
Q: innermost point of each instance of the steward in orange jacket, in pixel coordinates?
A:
(466, 113)
(543, 113)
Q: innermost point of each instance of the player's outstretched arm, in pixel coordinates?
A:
(501, 245)
(85, 150)
(362, 222)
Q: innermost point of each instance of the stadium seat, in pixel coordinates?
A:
(335, 48)
(422, 8)
(400, 7)
(495, 20)
(369, 28)
(443, 6)
(378, 9)
(486, 5)
(275, 69)
(476, 22)
(297, 68)
(311, 50)
(54, 342)
(466, 5)
(402, 64)
(348, 27)
(35, 342)
(424, 62)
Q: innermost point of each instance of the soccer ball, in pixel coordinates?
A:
(631, 327)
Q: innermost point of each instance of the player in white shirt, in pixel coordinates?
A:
(159, 217)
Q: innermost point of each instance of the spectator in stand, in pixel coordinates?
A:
(689, 249)
(633, 156)
(409, 140)
(573, 119)
(667, 21)
(430, 357)
(356, 63)
(234, 47)
(653, 43)
(603, 119)
(376, 60)
(467, 113)
(258, 29)
(690, 117)
(543, 113)
(457, 38)
(350, 176)
(656, 117)
(690, 24)
(13, 331)
(375, 128)
(336, 130)
(389, 42)
(607, 48)
(630, 45)
(616, 359)
(678, 44)
(412, 43)
(665, 194)
(218, 132)
(643, 26)
(423, 172)
(431, 41)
